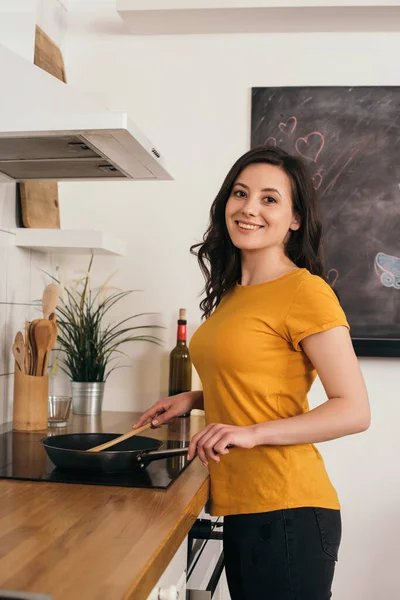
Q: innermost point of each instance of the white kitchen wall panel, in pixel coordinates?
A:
(17, 26)
(3, 399)
(6, 243)
(18, 275)
(40, 262)
(7, 206)
(21, 282)
(3, 358)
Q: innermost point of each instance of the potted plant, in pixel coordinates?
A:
(88, 345)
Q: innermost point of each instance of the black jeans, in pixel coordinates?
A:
(282, 555)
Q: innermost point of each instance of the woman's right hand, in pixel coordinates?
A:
(166, 409)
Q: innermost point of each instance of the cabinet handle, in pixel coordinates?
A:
(174, 592)
(170, 593)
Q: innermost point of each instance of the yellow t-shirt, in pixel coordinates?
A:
(252, 369)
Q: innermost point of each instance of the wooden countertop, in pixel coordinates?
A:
(99, 543)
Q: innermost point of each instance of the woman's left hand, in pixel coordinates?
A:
(215, 439)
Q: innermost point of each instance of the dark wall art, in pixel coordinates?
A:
(350, 139)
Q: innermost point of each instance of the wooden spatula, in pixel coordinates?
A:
(42, 333)
(19, 337)
(50, 299)
(27, 350)
(18, 349)
(119, 439)
(52, 341)
(32, 347)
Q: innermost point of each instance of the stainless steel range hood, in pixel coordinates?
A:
(49, 130)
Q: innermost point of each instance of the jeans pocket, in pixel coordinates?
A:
(330, 527)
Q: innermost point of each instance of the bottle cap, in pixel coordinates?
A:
(182, 314)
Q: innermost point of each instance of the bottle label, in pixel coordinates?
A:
(181, 333)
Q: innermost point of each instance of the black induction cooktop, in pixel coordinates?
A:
(22, 456)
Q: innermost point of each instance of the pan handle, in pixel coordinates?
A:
(156, 454)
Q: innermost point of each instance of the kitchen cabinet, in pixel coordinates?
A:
(236, 16)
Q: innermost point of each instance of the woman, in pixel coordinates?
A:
(272, 323)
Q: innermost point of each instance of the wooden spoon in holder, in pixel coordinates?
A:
(18, 349)
(50, 299)
(53, 340)
(43, 334)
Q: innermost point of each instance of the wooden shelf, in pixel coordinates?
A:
(155, 17)
(64, 241)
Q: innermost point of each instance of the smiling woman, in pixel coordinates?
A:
(260, 217)
(272, 323)
(273, 192)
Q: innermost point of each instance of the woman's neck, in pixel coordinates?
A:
(257, 268)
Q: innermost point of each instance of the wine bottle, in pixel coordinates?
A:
(180, 364)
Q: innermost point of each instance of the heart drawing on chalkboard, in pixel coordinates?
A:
(311, 145)
(271, 141)
(317, 180)
(332, 277)
(288, 127)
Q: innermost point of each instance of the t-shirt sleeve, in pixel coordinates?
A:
(315, 308)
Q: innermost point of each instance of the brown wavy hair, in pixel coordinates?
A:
(219, 259)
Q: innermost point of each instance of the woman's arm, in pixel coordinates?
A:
(347, 409)
(170, 407)
(198, 402)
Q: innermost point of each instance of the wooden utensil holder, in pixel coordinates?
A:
(30, 411)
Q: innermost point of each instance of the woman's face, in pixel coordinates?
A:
(259, 212)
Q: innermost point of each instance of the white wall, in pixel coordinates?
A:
(21, 283)
(21, 278)
(191, 96)
(17, 26)
(52, 19)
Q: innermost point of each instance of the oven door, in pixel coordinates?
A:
(205, 560)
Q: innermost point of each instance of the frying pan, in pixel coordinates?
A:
(69, 452)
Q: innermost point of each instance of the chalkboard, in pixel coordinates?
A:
(350, 139)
